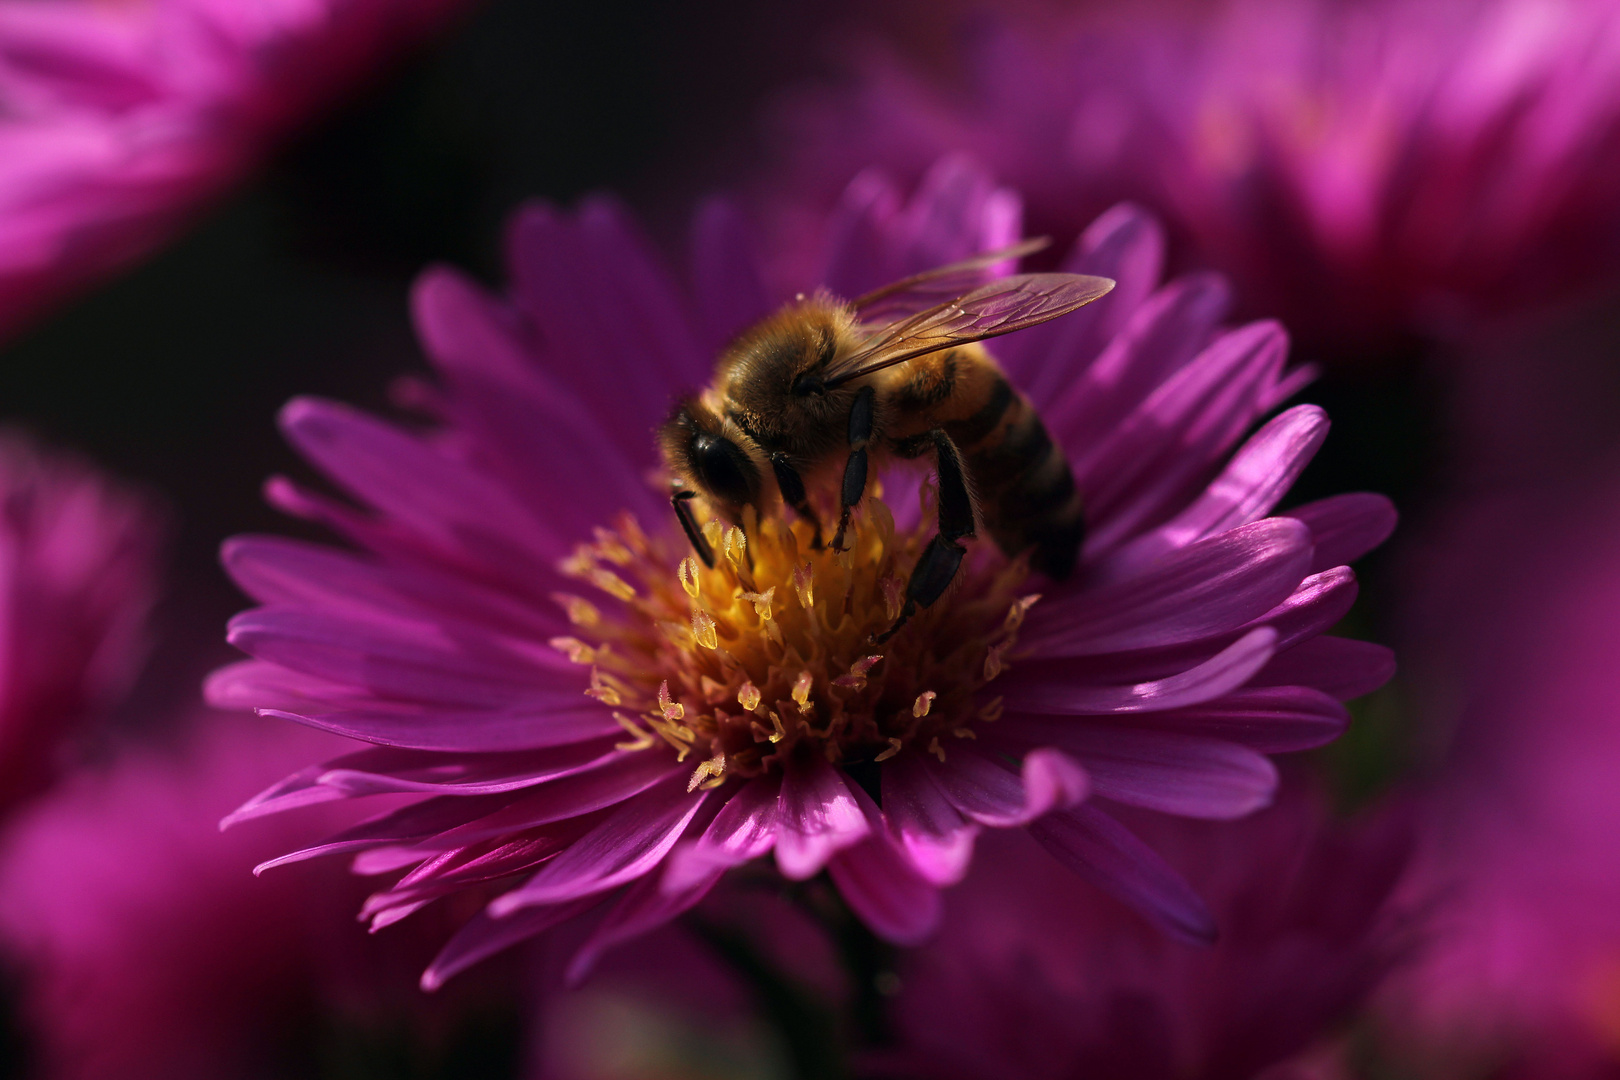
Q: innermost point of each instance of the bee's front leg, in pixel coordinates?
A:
(681, 500)
(860, 433)
(943, 556)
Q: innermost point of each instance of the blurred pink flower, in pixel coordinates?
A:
(77, 579)
(1185, 649)
(118, 120)
(1368, 169)
(147, 948)
(1033, 977)
(1522, 977)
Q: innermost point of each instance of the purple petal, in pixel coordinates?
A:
(744, 829)
(1207, 588)
(1346, 527)
(1256, 478)
(1163, 334)
(386, 770)
(876, 879)
(474, 730)
(593, 289)
(423, 661)
(279, 571)
(991, 794)
(645, 906)
(414, 485)
(1226, 671)
(817, 815)
(624, 777)
(1341, 667)
(1157, 460)
(1125, 244)
(938, 840)
(725, 272)
(408, 824)
(857, 258)
(533, 424)
(1270, 719)
(483, 937)
(629, 843)
(1108, 855)
(1170, 771)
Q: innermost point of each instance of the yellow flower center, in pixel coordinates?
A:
(774, 648)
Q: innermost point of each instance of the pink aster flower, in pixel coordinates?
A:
(118, 120)
(593, 716)
(1035, 977)
(145, 948)
(1368, 170)
(77, 578)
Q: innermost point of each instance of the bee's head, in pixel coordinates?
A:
(774, 377)
(713, 455)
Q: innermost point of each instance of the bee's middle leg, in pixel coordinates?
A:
(854, 486)
(791, 485)
(943, 556)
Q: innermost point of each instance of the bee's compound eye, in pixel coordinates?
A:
(725, 471)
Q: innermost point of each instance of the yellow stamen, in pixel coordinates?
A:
(688, 573)
(924, 702)
(703, 630)
(748, 696)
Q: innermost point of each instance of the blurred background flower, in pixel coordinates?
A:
(120, 122)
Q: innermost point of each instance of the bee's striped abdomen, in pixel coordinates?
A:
(1025, 489)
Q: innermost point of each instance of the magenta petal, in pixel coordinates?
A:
(931, 831)
(594, 290)
(447, 502)
(1163, 334)
(1256, 478)
(1270, 719)
(726, 275)
(484, 936)
(390, 770)
(1110, 856)
(1226, 671)
(994, 795)
(1125, 244)
(477, 731)
(1342, 667)
(644, 906)
(623, 777)
(744, 829)
(279, 571)
(631, 842)
(1204, 589)
(878, 883)
(423, 661)
(817, 815)
(1346, 527)
(1172, 772)
(1320, 601)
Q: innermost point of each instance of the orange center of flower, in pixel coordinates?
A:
(774, 649)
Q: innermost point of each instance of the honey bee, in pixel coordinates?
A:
(809, 399)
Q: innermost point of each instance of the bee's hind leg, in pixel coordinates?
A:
(943, 556)
(681, 501)
(854, 486)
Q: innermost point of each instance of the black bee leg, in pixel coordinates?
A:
(681, 501)
(791, 485)
(943, 556)
(860, 433)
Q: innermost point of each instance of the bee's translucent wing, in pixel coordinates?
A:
(1002, 306)
(930, 288)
